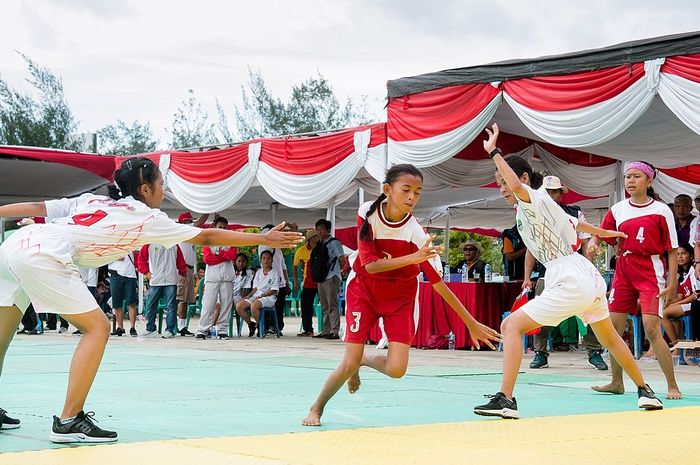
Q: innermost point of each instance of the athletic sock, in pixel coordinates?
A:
(181, 323)
(67, 420)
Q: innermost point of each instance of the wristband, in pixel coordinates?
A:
(495, 151)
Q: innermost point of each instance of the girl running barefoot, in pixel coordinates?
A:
(639, 274)
(574, 286)
(393, 249)
(39, 264)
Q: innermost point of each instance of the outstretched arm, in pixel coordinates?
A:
(595, 230)
(23, 209)
(423, 254)
(275, 238)
(508, 175)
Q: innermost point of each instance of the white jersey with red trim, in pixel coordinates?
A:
(101, 230)
(695, 231)
(547, 230)
(650, 227)
(689, 284)
(392, 240)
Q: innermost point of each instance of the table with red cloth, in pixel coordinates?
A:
(485, 301)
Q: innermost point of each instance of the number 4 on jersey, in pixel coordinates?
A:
(640, 235)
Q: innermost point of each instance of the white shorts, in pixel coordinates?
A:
(36, 265)
(573, 286)
(268, 301)
(685, 307)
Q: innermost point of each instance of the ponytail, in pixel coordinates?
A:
(134, 173)
(364, 230)
(394, 173)
(520, 166)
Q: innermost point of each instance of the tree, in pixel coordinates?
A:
(313, 107)
(44, 120)
(190, 125)
(122, 139)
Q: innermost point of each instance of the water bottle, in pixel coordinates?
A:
(212, 331)
(488, 275)
(477, 275)
(451, 341)
(465, 273)
(446, 274)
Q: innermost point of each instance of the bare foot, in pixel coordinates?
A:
(354, 383)
(612, 388)
(674, 393)
(313, 418)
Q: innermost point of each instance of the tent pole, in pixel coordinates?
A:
(273, 207)
(447, 237)
(361, 195)
(2, 230)
(330, 214)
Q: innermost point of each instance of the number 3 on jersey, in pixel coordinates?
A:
(88, 219)
(356, 324)
(640, 235)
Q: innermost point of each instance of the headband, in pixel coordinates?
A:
(643, 167)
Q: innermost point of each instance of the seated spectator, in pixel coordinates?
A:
(513, 254)
(475, 266)
(682, 206)
(263, 294)
(243, 282)
(687, 292)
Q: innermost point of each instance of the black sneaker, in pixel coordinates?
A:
(133, 333)
(7, 422)
(647, 399)
(251, 329)
(596, 361)
(200, 336)
(81, 429)
(118, 332)
(223, 336)
(186, 332)
(540, 360)
(498, 406)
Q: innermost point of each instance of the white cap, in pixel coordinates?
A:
(553, 183)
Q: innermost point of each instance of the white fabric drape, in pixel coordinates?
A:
(682, 97)
(596, 123)
(215, 196)
(434, 150)
(308, 191)
(668, 187)
(376, 164)
(593, 181)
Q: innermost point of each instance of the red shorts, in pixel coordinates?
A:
(369, 299)
(638, 278)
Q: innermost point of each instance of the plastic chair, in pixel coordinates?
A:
(192, 309)
(239, 322)
(292, 301)
(525, 337)
(261, 323)
(638, 334)
(341, 298)
(687, 327)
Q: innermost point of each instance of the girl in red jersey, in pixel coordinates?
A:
(392, 249)
(641, 268)
(39, 263)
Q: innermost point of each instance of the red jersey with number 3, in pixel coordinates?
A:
(650, 227)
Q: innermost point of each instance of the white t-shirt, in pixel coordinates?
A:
(189, 253)
(102, 230)
(124, 267)
(242, 281)
(278, 263)
(695, 231)
(89, 276)
(265, 282)
(547, 231)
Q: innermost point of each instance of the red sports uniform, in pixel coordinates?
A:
(392, 295)
(641, 269)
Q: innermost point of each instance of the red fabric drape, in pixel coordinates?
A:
(101, 165)
(690, 173)
(687, 66)
(573, 91)
(432, 113)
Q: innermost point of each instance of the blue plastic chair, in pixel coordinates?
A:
(638, 334)
(525, 337)
(261, 323)
(687, 327)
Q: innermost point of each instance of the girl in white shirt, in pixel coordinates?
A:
(264, 293)
(574, 286)
(40, 263)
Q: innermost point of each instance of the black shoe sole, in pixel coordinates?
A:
(506, 414)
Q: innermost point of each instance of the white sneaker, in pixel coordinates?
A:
(150, 334)
(61, 329)
(167, 335)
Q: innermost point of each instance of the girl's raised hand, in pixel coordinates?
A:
(490, 143)
(277, 238)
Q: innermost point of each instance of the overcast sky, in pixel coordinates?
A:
(135, 60)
